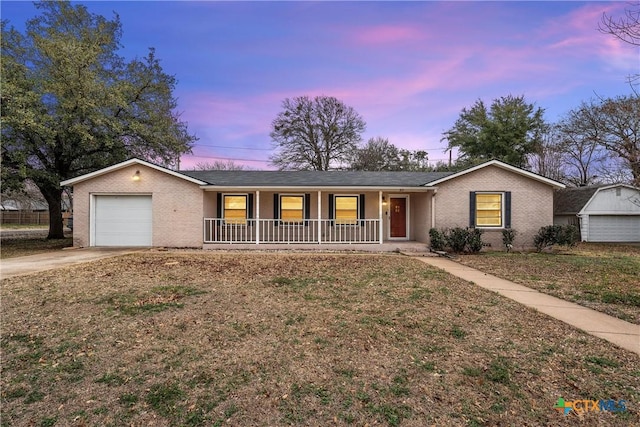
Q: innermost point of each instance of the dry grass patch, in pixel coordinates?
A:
(31, 245)
(603, 277)
(198, 338)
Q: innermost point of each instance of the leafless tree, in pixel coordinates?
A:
(549, 158)
(619, 126)
(613, 170)
(315, 134)
(221, 165)
(600, 141)
(627, 29)
(579, 140)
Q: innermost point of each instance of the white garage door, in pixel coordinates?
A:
(614, 228)
(122, 221)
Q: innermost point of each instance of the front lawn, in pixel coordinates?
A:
(32, 245)
(192, 338)
(603, 277)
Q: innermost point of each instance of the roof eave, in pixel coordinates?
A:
(127, 163)
(506, 166)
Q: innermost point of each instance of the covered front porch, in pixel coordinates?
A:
(321, 217)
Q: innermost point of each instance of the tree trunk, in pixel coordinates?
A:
(54, 199)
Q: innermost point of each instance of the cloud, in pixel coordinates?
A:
(388, 34)
(576, 35)
(411, 73)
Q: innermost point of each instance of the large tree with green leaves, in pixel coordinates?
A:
(72, 105)
(318, 133)
(509, 130)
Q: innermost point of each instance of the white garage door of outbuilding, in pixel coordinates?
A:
(614, 228)
(122, 221)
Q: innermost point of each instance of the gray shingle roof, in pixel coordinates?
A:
(571, 200)
(316, 178)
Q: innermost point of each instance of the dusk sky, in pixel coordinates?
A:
(408, 68)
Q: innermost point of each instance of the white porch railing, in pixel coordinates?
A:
(319, 231)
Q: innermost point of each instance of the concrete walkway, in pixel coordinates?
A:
(623, 334)
(19, 266)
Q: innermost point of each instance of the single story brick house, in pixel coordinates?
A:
(604, 213)
(137, 203)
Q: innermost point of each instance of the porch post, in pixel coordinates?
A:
(319, 217)
(257, 217)
(381, 225)
(433, 209)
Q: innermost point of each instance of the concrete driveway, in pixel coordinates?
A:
(19, 266)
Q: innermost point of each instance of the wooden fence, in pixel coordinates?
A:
(24, 217)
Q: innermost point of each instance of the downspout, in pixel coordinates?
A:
(584, 227)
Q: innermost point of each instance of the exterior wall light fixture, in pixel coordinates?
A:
(136, 176)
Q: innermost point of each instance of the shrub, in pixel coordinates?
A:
(438, 241)
(546, 236)
(556, 235)
(508, 236)
(474, 240)
(570, 236)
(457, 239)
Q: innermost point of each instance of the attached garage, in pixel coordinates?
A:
(122, 220)
(614, 228)
(137, 203)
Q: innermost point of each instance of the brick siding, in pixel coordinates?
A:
(531, 203)
(177, 204)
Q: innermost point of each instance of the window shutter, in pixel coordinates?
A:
(307, 208)
(362, 210)
(330, 216)
(276, 208)
(472, 209)
(507, 209)
(250, 206)
(218, 206)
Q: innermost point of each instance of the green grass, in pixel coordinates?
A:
(165, 399)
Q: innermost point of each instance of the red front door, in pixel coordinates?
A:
(398, 217)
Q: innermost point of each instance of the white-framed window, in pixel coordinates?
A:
(489, 208)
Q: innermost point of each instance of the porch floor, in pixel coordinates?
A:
(387, 246)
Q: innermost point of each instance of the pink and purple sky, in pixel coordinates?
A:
(407, 67)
